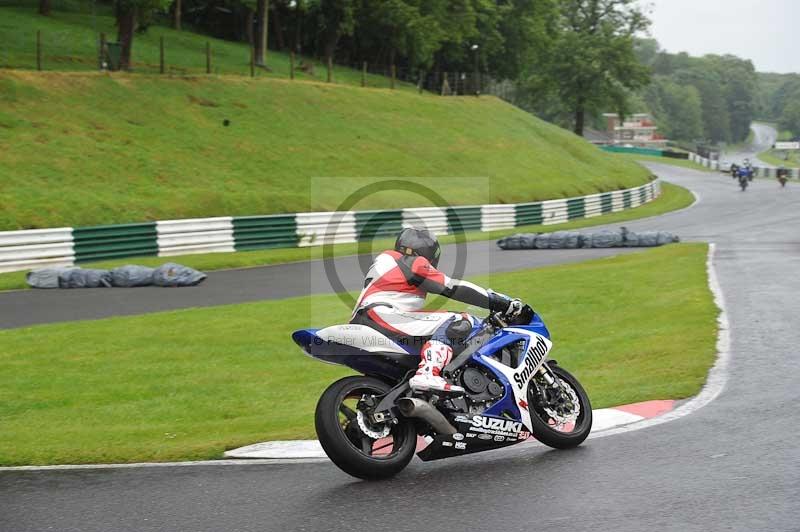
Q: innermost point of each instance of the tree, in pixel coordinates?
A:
(739, 86)
(408, 28)
(790, 119)
(44, 7)
(129, 14)
(521, 37)
(677, 108)
(176, 15)
(335, 18)
(787, 90)
(262, 21)
(646, 50)
(593, 63)
(709, 84)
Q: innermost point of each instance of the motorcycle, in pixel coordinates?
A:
(782, 176)
(743, 181)
(371, 425)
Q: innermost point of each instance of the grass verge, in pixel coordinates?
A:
(189, 384)
(672, 198)
(776, 158)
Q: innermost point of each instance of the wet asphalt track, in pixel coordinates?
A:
(30, 307)
(733, 465)
(764, 136)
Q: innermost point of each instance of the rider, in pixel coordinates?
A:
(394, 295)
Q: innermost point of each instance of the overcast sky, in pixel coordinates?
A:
(765, 31)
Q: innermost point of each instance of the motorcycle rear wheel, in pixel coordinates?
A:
(545, 426)
(347, 445)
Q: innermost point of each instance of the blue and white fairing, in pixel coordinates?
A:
(359, 347)
(506, 421)
(535, 347)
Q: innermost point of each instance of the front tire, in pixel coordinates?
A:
(552, 421)
(338, 424)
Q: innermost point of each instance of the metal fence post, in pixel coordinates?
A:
(38, 49)
(364, 74)
(394, 77)
(101, 56)
(291, 65)
(330, 69)
(252, 61)
(161, 54)
(208, 57)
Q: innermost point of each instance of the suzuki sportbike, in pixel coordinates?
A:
(371, 425)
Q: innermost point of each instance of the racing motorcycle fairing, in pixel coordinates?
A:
(475, 434)
(507, 421)
(534, 350)
(359, 347)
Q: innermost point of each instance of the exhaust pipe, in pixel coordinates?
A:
(413, 407)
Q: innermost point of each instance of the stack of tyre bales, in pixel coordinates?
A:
(169, 274)
(598, 239)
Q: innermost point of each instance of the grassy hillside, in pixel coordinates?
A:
(89, 148)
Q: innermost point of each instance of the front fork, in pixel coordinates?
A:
(547, 374)
(553, 383)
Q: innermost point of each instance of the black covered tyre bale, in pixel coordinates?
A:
(338, 441)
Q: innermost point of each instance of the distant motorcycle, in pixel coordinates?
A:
(743, 182)
(746, 173)
(734, 171)
(782, 177)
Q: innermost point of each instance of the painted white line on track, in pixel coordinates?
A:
(165, 464)
(717, 378)
(604, 419)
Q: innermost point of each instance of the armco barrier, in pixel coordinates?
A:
(260, 232)
(633, 149)
(22, 250)
(199, 235)
(103, 242)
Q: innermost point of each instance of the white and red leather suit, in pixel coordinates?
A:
(393, 299)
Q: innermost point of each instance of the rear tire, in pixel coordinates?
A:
(544, 431)
(338, 439)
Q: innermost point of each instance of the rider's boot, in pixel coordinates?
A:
(435, 356)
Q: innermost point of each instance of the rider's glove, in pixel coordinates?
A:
(515, 306)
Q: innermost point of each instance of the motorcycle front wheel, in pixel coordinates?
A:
(352, 441)
(561, 414)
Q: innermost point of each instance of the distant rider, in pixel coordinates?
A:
(394, 296)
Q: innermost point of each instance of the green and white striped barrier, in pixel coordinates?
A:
(65, 246)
